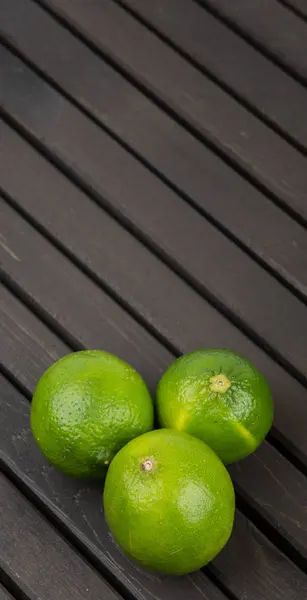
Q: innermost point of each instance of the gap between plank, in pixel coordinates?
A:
(250, 40)
(8, 581)
(51, 323)
(294, 9)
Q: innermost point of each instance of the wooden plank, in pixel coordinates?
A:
(278, 492)
(250, 554)
(91, 316)
(213, 264)
(271, 473)
(38, 557)
(27, 346)
(247, 566)
(278, 32)
(254, 80)
(262, 154)
(184, 322)
(186, 163)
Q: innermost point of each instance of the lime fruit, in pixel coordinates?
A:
(85, 408)
(169, 501)
(219, 397)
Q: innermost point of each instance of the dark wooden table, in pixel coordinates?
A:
(153, 179)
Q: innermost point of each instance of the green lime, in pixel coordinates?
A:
(85, 408)
(219, 397)
(169, 501)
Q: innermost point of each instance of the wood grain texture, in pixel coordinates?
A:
(215, 265)
(107, 250)
(247, 73)
(43, 563)
(179, 157)
(249, 566)
(270, 26)
(196, 99)
(262, 479)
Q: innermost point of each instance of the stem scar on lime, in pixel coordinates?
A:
(219, 383)
(147, 465)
